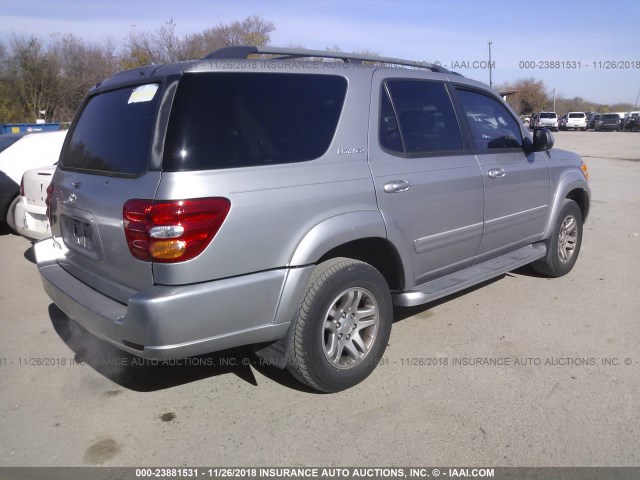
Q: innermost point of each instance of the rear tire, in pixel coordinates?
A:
(342, 326)
(564, 245)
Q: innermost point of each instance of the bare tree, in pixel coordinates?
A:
(10, 109)
(164, 45)
(33, 78)
(530, 95)
(146, 48)
(252, 30)
(80, 66)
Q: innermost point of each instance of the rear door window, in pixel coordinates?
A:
(113, 132)
(417, 119)
(228, 120)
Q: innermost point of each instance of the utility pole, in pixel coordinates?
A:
(554, 98)
(490, 80)
(637, 96)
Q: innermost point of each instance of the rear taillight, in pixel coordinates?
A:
(50, 190)
(172, 231)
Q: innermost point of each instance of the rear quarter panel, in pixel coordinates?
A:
(274, 207)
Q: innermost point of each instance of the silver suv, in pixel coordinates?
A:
(548, 120)
(290, 203)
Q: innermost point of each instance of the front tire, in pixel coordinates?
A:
(564, 245)
(342, 326)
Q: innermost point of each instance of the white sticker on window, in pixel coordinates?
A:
(144, 93)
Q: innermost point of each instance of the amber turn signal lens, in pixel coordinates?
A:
(585, 170)
(167, 249)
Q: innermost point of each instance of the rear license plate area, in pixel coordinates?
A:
(80, 235)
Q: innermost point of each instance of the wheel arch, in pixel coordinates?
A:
(573, 186)
(360, 235)
(357, 235)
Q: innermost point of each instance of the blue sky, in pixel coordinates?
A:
(446, 31)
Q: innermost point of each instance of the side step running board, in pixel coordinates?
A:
(454, 282)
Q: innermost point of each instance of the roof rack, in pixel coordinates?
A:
(243, 51)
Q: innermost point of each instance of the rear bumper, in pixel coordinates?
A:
(166, 322)
(31, 220)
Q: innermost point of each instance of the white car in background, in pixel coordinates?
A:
(31, 210)
(576, 121)
(31, 151)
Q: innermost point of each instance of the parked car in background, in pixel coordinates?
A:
(622, 116)
(31, 210)
(533, 121)
(548, 120)
(629, 120)
(593, 121)
(609, 122)
(30, 151)
(562, 122)
(634, 124)
(526, 119)
(576, 121)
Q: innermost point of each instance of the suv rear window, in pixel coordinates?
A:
(611, 116)
(548, 115)
(113, 132)
(576, 115)
(227, 120)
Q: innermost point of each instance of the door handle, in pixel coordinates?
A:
(397, 186)
(497, 173)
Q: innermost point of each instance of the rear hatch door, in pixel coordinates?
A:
(108, 158)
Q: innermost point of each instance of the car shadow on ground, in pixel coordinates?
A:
(141, 375)
(30, 255)
(528, 271)
(402, 313)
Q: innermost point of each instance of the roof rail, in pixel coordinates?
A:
(243, 51)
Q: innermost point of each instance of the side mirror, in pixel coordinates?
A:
(542, 140)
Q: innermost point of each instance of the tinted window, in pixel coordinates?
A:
(425, 115)
(113, 133)
(611, 116)
(491, 124)
(576, 115)
(548, 115)
(389, 132)
(226, 120)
